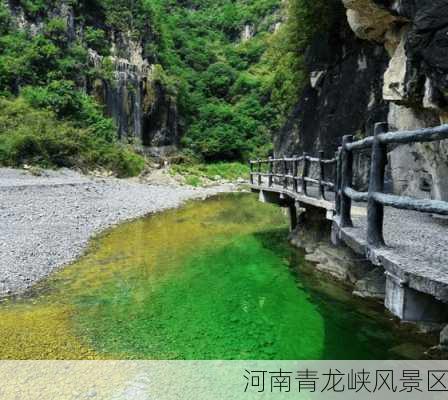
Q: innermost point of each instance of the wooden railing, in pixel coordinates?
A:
(375, 197)
(293, 173)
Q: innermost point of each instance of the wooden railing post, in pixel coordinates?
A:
(346, 182)
(259, 172)
(321, 175)
(285, 171)
(271, 172)
(305, 173)
(251, 165)
(295, 172)
(338, 181)
(375, 210)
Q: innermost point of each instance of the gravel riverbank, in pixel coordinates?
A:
(47, 221)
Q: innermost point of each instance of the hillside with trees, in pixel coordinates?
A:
(223, 76)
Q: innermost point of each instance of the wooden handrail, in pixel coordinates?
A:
(344, 192)
(375, 197)
(410, 203)
(290, 159)
(286, 170)
(402, 137)
(356, 196)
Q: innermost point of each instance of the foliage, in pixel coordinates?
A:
(196, 173)
(56, 31)
(232, 94)
(35, 136)
(220, 88)
(67, 102)
(46, 69)
(5, 18)
(33, 8)
(38, 60)
(97, 40)
(285, 55)
(235, 94)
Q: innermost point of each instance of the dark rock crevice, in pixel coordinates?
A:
(345, 99)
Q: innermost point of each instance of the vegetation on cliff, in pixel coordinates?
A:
(235, 91)
(46, 118)
(287, 49)
(223, 85)
(36, 136)
(235, 68)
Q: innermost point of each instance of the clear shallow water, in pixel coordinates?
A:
(213, 280)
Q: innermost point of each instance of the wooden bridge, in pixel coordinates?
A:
(414, 256)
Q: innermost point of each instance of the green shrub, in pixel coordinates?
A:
(5, 18)
(192, 180)
(219, 77)
(196, 172)
(96, 39)
(56, 30)
(34, 8)
(35, 136)
(66, 101)
(59, 96)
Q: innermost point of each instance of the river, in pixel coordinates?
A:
(215, 279)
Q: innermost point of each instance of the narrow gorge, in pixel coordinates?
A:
(125, 111)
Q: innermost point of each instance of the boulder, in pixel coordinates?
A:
(368, 19)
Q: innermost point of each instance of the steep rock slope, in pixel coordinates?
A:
(391, 65)
(343, 95)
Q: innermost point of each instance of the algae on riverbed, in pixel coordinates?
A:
(213, 280)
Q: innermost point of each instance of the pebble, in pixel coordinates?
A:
(48, 220)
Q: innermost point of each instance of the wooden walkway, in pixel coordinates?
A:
(408, 237)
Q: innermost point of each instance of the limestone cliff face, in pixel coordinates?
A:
(389, 62)
(144, 110)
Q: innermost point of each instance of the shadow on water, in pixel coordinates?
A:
(355, 328)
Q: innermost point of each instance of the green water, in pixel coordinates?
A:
(213, 280)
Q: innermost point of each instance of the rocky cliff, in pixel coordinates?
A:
(144, 110)
(133, 92)
(382, 60)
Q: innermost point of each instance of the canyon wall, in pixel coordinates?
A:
(143, 109)
(133, 94)
(380, 61)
